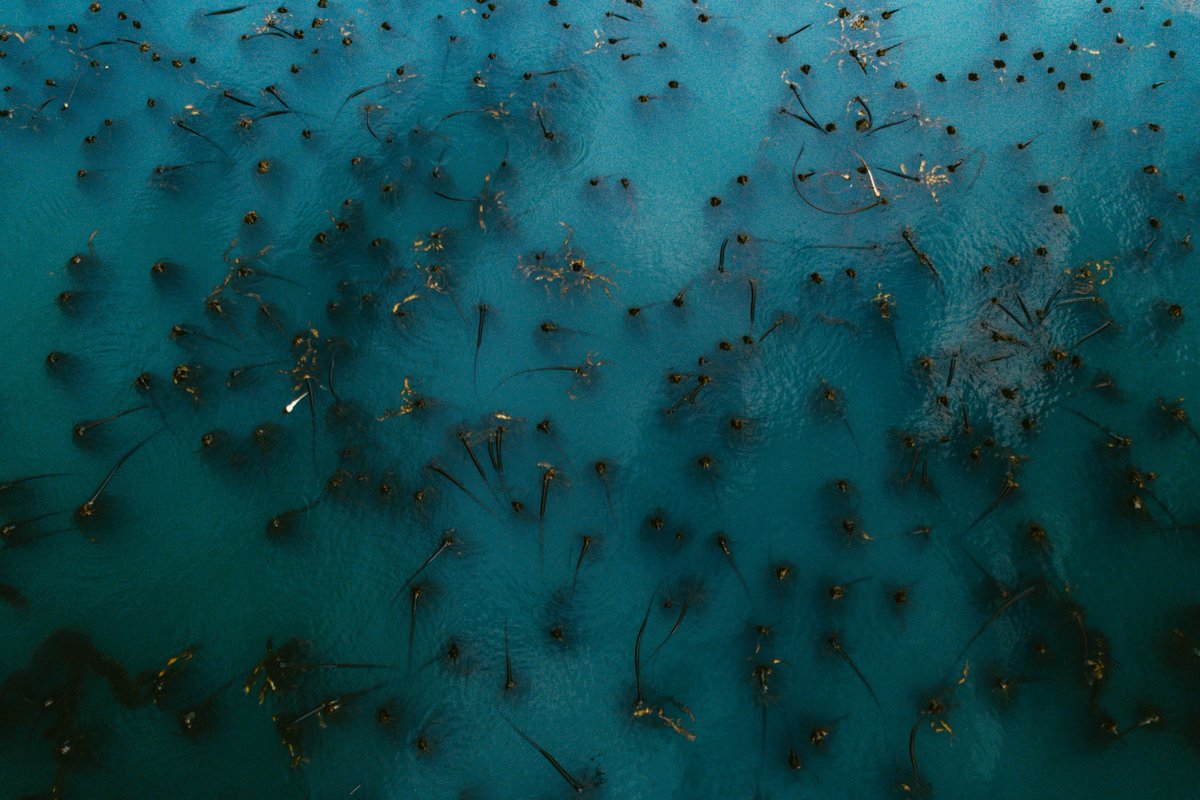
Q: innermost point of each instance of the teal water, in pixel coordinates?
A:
(880, 302)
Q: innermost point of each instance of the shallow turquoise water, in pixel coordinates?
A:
(1061, 666)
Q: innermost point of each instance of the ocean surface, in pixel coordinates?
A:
(644, 399)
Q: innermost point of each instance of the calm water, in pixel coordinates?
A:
(579, 234)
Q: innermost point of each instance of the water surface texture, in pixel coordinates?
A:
(640, 399)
